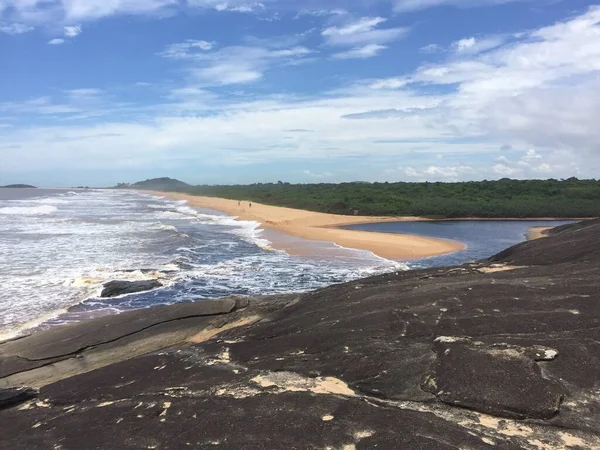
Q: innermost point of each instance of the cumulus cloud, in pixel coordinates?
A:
(56, 41)
(448, 173)
(504, 170)
(536, 100)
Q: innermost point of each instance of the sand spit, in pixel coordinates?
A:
(324, 227)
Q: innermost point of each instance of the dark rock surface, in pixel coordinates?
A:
(497, 379)
(503, 353)
(15, 396)
(120, 287)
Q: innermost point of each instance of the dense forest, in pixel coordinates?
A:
(490, 199)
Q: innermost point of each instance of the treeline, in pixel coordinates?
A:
(489, 199)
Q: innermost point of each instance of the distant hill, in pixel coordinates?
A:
(160, 184)
(18, 186)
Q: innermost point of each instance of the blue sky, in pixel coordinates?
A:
(95, 92)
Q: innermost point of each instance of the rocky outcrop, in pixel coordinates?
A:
(496, 354)
(120, 287)
(498, 379)
(15, 396)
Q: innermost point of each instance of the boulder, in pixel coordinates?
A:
(120, 287)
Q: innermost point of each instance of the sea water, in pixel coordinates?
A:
(58, 247)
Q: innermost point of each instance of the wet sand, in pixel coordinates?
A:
(325, 227)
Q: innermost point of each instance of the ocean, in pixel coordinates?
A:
(58, 248)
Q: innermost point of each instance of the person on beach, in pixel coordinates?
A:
(250, 205)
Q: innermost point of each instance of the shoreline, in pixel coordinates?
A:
(143, 376)
(317, 226)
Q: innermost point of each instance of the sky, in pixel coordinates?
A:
(95, 92)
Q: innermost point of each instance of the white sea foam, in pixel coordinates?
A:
(250, 231)
(48, 201)
(63, 256)
(28, 210)
(164, 227)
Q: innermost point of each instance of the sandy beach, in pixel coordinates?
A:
(323, 227)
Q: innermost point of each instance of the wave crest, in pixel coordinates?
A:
(41, 210)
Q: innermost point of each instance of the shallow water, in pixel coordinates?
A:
(483, 238)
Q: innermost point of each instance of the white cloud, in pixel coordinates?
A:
(95, 9)
(227, 73)
(360, 26)
(389, 83)
(322, 12)
(312, 174)
(73, 31)
(504, 171)
(362, 32)
(467, 47)
(14, 28)
(448, 172)
(473, 46)
(187, 49)
(415, 5)
(540, 94)
(431, 48)
(531, 155)
(244, 8)
(464, 44)
(70, 32)
(231, 65)
(543, 90)
(50, 12)
(412, 172)
(445, 173)
(367, 51)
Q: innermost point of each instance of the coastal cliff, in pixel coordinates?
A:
(502, 353)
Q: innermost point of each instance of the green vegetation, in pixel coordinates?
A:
(158, 184)
(18, 186)
(490, 199)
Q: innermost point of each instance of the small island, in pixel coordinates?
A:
(18, 186)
